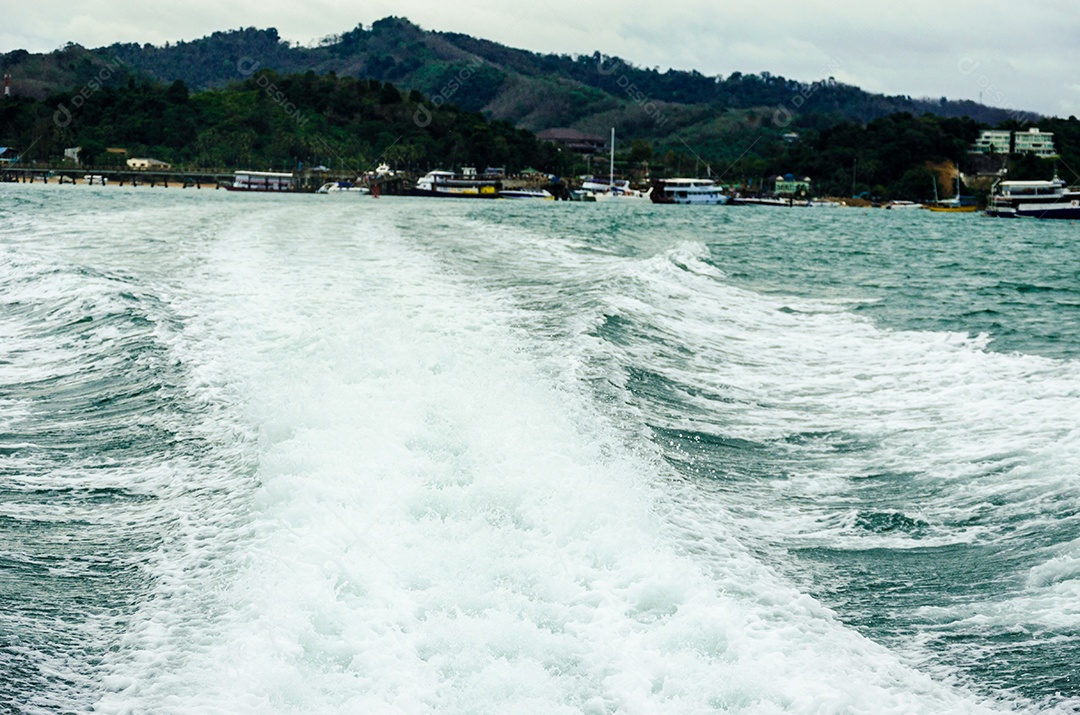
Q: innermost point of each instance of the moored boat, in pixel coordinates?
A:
(617, 193)
(952, 207)
(261, 181)
(1034, 199)
(447, 184)
(770, 201)
(688, 191)
(594, 189)
(343, 187)
(957, 204)
(542, 194)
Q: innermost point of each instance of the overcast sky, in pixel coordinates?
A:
(1008, 54)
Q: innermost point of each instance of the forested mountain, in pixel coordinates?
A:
(445, 99)
(532, 90)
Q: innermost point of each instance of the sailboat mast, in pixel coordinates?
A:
(611, 167)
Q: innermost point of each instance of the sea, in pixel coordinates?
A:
(314, 454)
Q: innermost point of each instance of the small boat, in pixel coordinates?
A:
(901, 205)
(621, 194)
(688, 191)
(1034, 199)
(381, 172)
(343, 187)
(768, 201)
(612, 190)
(542, 194)
(593, 189)
(91, 179)
(950, 207)
(957, 204)
(447, 184)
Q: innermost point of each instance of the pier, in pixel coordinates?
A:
(305, 181)
(131, 177)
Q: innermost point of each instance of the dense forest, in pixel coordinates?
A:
(267, 121)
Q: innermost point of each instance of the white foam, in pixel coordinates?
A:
(975, 430)
(441, 526)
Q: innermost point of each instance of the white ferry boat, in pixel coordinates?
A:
(1034, 199)
(447, 184)
(688, 191)
(261, 181)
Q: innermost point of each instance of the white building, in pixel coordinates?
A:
(993, 141)
(1002, 141)
(1034, 142)
(141, 163)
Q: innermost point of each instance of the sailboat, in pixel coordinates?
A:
(954, 205)
(620, 191)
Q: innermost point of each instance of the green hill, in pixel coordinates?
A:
(532, 90)
(739, 127)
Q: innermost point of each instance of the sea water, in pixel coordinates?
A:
(311, 454)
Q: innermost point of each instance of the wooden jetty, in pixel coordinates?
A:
(305, 181)
(121, 177)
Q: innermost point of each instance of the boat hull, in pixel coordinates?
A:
(1055, 211)
(776, 203)
(343, 188)
(435, 194)
(1068, 211)
(694, 200)
(952, 209)
(526, 194)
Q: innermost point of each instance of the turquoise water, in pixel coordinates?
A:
(334, 454)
